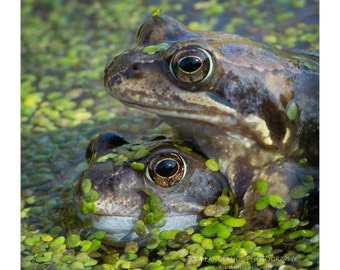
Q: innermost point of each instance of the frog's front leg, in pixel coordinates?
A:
(283, 185)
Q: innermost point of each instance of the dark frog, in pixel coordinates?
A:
(253, 108)
(122, 176)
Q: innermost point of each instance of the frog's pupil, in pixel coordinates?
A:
(167, 168)
(190, 64)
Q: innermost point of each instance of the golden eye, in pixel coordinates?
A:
(191, 65)
(166, 169)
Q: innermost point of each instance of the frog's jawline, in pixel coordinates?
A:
(187, 114)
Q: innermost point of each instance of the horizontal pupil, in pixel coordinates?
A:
(190, 64)
(167, 168)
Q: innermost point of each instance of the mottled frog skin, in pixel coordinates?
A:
(174, 175)
(251, 107)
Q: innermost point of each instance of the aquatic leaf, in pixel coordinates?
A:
(223, 231)
(207, 243)
(140, 229)
(85, 185)
(212, 165)
(261, 186)
(156, 12)
(262, 203)
(106, 157)
(57, 241)
(210, 230)
(292, 110)
(140, 153)
(139, 262)
(197, 238)
(223, 200)
(276, 201)
(281, 214)
(99, 235)
(137, 166)
(87, 207)
(90, 196)
(219, 242)
(308, 182)
(301, 233)
(85, 245)
(299, 192)
(233, 222)
(289, 224)
(73, 240)
(170, 234)
(153, 49)
(242, 252)
(31, 200)
(215, 210)
(182, 237)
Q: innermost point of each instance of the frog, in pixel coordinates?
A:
(251, 107)
(173, 172)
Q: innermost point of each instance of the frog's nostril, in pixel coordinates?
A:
(135, 67)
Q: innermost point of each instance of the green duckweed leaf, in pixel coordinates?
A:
(153, 49)
(308, 182)
(212, 165)
(276, 201)
(140, 229)
(137, 166)
(106, 157)
(261, 186)
(156, 12)
(289, 224)
(262, 203)
(298, 192)
(292, 110)
(90, 196)
(73, 240)
(87, 207)
(233, 222)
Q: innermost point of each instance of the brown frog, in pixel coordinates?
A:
(251, 107)
(176, 176)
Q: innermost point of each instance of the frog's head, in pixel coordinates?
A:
(223, 80)
(178, 178)
(169, 72)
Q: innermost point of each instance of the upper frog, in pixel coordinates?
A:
(253, 108)
(173, 177)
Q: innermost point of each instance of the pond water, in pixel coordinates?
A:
(65, 46)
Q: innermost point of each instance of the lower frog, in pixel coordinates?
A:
(252, 108)
(122, 175)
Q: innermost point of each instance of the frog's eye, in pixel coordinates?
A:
(166, 169)
(191, 65)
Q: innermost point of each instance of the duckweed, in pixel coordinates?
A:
(262, 203)
(152, 49)
(261, 186)
(212, 165)
(276, 201)
(298, 192)
(137, 166)
(292, 110)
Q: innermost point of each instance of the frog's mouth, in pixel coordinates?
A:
(207, 108)
(203, 106)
